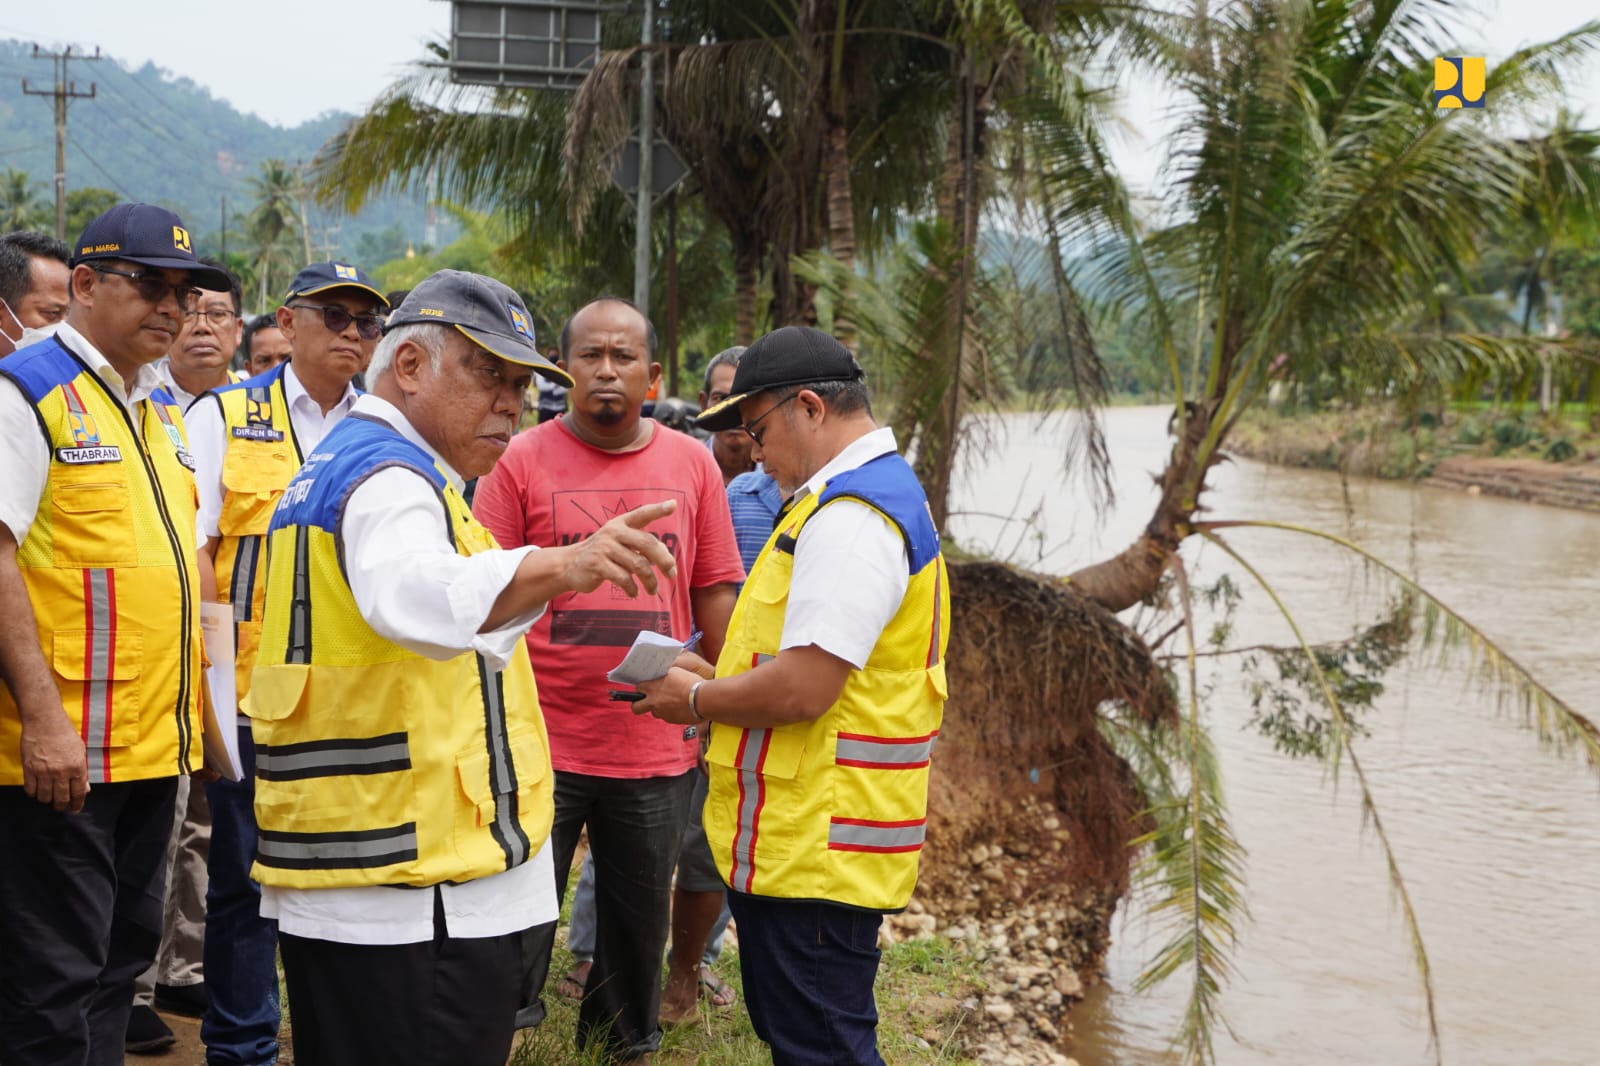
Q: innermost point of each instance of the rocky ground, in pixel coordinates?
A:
(1035, 948)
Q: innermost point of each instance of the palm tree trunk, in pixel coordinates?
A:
(959, 204)
(841, 222)
(746, 281)
(1134, 575)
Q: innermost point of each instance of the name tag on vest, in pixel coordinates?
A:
(261, 433)
(87, 454)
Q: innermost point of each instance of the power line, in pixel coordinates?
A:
(126, 195)
(62, 91)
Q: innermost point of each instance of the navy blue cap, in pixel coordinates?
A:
(793, 355)
(320, 277)
(488, 313)
(150, 236)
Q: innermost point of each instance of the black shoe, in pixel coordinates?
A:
(530, 1016)
(147, 1033)
(190, 1001)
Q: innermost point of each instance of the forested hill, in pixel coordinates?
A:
(151, 135)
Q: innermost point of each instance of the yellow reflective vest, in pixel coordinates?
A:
(375, 765)
(109, 564)
(260, 455)
(836, 809)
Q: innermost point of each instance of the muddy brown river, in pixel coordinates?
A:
(1499, 840)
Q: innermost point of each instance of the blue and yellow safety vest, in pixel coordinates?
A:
(375, 765)
(260, 455)
(836, 809)
(109, 564)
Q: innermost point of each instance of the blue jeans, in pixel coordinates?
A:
(808, 969)
(635, 827)
(241, 952)
(580, 931)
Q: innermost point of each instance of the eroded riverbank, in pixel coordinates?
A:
(1550, 465)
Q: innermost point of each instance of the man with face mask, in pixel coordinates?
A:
(33, 288)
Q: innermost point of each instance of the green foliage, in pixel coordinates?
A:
(154, 136)
(22, 203)
(85, 205)
(1560, 450)
(1289, 709)
(1509, 434)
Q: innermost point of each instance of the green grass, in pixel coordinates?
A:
(921, 985)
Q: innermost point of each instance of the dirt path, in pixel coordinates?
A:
(1574, 485)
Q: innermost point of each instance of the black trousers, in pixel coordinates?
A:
(445, 1002)
(635, 830)
(80, 918)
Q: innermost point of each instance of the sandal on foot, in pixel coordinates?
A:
(717, 992)
(571, 986)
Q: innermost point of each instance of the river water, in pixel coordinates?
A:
(1499, 841)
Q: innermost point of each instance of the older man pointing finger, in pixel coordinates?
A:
(404, 787)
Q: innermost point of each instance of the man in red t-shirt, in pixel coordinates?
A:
(627, 777)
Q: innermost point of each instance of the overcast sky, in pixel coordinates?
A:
(291, 60)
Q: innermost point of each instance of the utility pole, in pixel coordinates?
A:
(63, 91)
(647, 122)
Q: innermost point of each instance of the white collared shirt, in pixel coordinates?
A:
(850, 566)
(208, 442)
(412, 586)
(170, 382)
(24, 454)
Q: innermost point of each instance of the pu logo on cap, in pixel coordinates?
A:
(348, 273)
(519, 321)
(180, 239)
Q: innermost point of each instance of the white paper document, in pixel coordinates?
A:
(651, 656)
(221, 702)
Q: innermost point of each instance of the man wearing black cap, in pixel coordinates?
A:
(404, 784)
(99, 640)
(249, 439)
(825, 701)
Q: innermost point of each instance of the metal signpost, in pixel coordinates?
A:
(553, 44)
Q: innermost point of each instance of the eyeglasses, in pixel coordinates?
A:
(337, 319)
(750, 430)
(217, 316)
(153, 288)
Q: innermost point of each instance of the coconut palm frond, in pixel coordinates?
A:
(1555, 723)
(1192, 865)
(1343, 749)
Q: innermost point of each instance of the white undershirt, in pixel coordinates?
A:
(412, 586)
(24, 454)
(208, 442)
(850, 566)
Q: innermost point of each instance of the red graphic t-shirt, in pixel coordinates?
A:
(551, 489)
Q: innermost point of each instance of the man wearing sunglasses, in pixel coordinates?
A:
(249, 440)
(99, 640)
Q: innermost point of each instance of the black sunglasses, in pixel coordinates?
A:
(368, 327)
(153, 288)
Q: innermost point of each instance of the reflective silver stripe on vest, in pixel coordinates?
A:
(752, 794)
(856, 834)
(333, 758)
(358, 850)
(908, 753)
(506, 827)
(99, 637)
(241, 589)
(300, 603)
